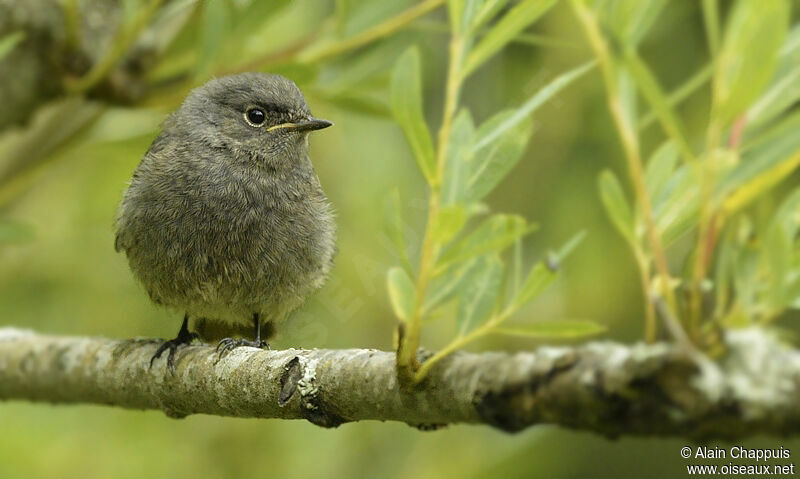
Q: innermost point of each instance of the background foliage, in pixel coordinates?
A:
(85, 92)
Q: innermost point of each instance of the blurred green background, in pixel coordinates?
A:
(66, 278)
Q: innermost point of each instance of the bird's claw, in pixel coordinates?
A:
(172, 345)
(229, 344)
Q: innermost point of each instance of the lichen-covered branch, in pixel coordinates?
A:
(608, 388)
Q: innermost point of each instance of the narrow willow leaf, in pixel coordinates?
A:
(495, 234)
(448, 223)
(460, 155)
(651, 90)
(677, 213)
(659, 170)
(406, 101)
(562, 329)
(401, 293)
(478, 293)
(753, 35)
(784, 90)
(765, 163)
(544, 273)
(444, 286)
(617, 207)
(532, 104)
(631, 19)
(493, 161)
(12, 232)
(9, 41)
(681, 93)
(393, 223)
(487, 10)
(508, 27)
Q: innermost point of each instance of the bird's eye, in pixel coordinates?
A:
(255, 116)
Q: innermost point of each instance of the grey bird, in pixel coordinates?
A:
(225, 219)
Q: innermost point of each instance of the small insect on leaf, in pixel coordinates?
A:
(544, 273)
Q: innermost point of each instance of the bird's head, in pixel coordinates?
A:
(255, 115)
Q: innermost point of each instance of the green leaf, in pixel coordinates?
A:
(488, 9)
(676, 214)
(753, 35)
(406, 101)
(12, 232)
(554, 329)
(651, 90)
(495, 234)
(393, 223)
(630, 19)
(544, 273)
(460, 155)
(513, 117)
(401, 293)
(697, 80)
(478, 293)
(764, 163)
(616, 205)
(784, 90)
(659, 170)
(494, 160)
(508, 27)
(448, 223)
(9, 41)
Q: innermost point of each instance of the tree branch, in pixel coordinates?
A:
(608, 388)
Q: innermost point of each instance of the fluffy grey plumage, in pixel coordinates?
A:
(225, 218)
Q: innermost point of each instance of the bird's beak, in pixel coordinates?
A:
(305, 125)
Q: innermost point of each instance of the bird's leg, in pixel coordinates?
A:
(184, 337)
(228, 344)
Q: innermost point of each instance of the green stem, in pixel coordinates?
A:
(406, 355)
(460, 342)
(630, 144)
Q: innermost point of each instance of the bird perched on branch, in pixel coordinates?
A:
(225, 219)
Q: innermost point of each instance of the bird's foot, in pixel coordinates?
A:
(184, 337)
(229, 344)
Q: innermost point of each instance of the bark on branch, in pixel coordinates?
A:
(604, 387)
